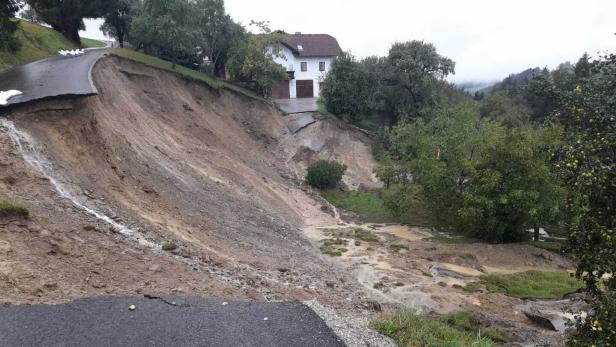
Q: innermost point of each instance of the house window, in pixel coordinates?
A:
(322, 66)
(304, 66)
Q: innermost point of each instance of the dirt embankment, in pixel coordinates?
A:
(179, 163)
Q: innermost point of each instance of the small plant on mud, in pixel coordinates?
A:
(170, 245)
(379, 286)
(13, 210)
(365, 235)
(442, 284)
(333, 247)
(398, 248)
(325, 174)
(472, 287)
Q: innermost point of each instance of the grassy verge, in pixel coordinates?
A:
(552, 246)
(8, 209)
(453, 330)
(533, 284)
(180, 70)
(37, 42)
(322, 107)
(370, 207)
(90, 43)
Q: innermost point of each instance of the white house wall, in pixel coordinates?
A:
(293, 63)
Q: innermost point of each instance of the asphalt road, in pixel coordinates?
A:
(167, 321)
(52, 77)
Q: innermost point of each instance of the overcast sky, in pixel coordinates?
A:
(487, 39)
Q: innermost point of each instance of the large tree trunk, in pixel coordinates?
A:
(72, 34)
(537, 234)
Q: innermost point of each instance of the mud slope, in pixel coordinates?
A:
(177, 161)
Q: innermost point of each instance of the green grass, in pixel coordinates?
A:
(90, 43)
(180, 70)
(8, 209)
(552, 246)
(37, 42)
(368, 206)
(322, 107)
(533, 284)
(407, 328)
(365, 235)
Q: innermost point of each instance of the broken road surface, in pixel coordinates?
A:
(164, 321)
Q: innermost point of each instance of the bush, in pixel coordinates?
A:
(13, 210)
(325, 174)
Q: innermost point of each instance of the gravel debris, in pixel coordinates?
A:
(354, 330)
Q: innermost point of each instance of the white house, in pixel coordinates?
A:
(307, 58)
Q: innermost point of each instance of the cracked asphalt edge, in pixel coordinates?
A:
(354, 330)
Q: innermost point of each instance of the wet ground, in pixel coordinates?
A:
(298, 105)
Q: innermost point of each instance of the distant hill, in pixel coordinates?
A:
(38, 42)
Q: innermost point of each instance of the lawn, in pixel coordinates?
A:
(407, 328)
(180, 70)
(37, 42)
(370, 207)
(90, 43)
(533, 284)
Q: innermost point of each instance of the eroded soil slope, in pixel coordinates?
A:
(177, 163)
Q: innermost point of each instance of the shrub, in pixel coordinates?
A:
(13, 210)
(325, 174)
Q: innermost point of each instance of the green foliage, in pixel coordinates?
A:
(365, 235)
(325, 174)
(347, 88)
(118, 19)
(407, 328)
(8, 41)
(587, 165)
(474, 175)
(35, 42)
(500, 107)
(8, 209)
(162, 28)
(216, 33)
(66, 16)
(533, 284)
(252, 61)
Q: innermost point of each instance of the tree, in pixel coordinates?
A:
(162, 28)
(477, 177)
(30, 15)
(216, 33)
(325, 174)
(8, 26)
(587, 165)
(347, 88)
(66, 16)
(118, 19)
(252, 60)
(412, 73)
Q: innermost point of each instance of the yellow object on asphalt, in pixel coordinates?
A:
(132, 307)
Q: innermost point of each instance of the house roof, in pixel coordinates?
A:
(313, 45)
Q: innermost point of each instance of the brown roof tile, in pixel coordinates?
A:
(314, 45)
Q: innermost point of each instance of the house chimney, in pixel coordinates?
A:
(298, 33)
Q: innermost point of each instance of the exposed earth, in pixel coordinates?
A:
(159, 185)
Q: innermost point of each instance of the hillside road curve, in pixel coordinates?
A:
(52, 77)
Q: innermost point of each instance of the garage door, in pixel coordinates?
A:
(305, 89)
(281, 90)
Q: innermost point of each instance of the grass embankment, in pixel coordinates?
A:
(533, 284)
(39, 42)
(180, 70)
(370, 207)
(90, 43)
(8, 209)
(457, 329)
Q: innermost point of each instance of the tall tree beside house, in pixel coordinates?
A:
(162, 28)
(118, 19)
(412, 75)
(8, 9)
(66, 16)
(216, 33)
(252, 60)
